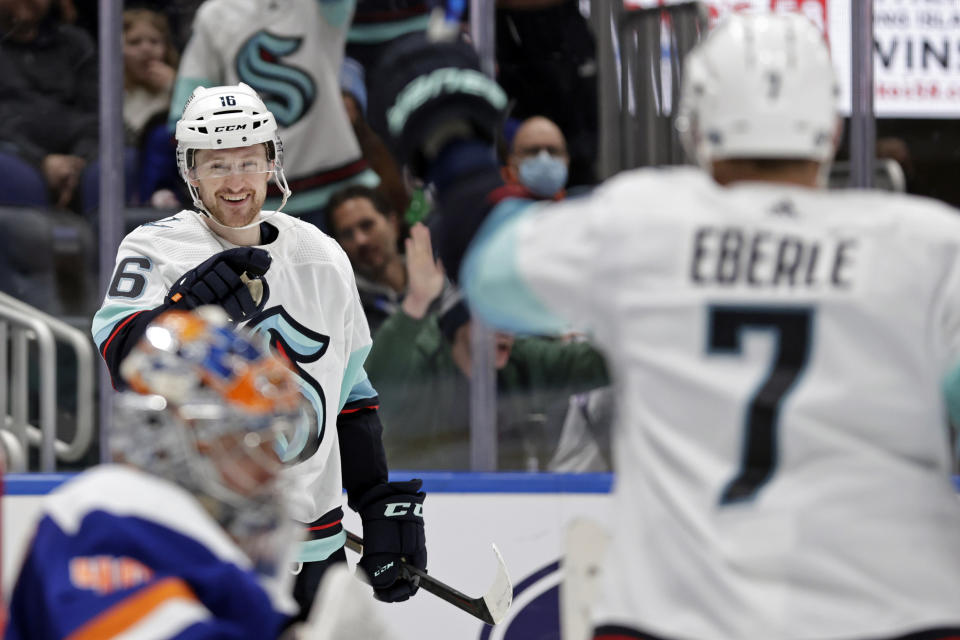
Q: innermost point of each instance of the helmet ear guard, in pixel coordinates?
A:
(227, 117)
(760, 86)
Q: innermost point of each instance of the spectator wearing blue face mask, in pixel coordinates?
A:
(538, 159)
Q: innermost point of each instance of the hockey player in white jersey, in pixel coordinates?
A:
(290, 52)
(784, 356)
(291, 284)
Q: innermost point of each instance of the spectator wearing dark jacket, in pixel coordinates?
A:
(48, 105)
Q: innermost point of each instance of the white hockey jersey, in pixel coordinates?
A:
(120, 553)
(781, 447)
(290, 52)
(311, 314)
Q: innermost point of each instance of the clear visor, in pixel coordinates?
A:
(219, 168)
(249, 451)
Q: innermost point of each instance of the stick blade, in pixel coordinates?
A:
(499, 596)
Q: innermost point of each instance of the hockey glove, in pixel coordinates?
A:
(426, 94)
(392, 515)
(220, 280)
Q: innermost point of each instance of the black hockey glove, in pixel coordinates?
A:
(425, 94)
(217, 280)
(392, 515)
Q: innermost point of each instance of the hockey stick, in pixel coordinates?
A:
(491, 607)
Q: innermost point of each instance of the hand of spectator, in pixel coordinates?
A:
(424, 273)
(160, 75)
(59, 168)
(62, 173)
(164, 199)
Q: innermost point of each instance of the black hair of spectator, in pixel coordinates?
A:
(376, 198)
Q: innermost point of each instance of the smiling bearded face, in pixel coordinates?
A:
(233, 200)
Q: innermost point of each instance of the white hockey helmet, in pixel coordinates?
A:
(223, 118)
(759, 86)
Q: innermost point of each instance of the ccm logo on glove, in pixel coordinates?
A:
(393, 536)
(401, 509)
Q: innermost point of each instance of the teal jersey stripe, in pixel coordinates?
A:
(377, 33)
(361, 391)
(354, 376)
(317, 550)
(106, 319)
(491, 278)
(951, 392)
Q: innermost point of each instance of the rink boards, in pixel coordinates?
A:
(524, 514)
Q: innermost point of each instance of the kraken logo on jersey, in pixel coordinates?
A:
(298, 345)
(288, 91)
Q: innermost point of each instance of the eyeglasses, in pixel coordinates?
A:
(221, 168)
(535, 150)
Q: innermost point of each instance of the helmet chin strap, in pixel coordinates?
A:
(262, 215)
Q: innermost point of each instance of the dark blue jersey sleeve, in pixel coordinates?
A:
(118, 574)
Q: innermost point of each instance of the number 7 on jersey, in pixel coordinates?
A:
(792, 328)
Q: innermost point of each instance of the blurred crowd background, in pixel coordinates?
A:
(551, 404)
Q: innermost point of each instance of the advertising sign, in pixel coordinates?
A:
(916, 49)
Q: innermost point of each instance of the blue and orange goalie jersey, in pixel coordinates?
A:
(119, 552)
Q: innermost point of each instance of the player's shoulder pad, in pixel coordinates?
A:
(213, 11)
(123, 491)
(917, 214)
(177, 222)
(311, 242)
(292, 225)
(655, 189)
(659, 179)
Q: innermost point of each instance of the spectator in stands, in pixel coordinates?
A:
(291, 54)
(583, 445)
(150, 67)
(374, 151)
(538, 159)
(421, 365)
(179, 15)
(48, 106)
(538, 163)
(376, 23)
(546, 61)
(369, 229)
